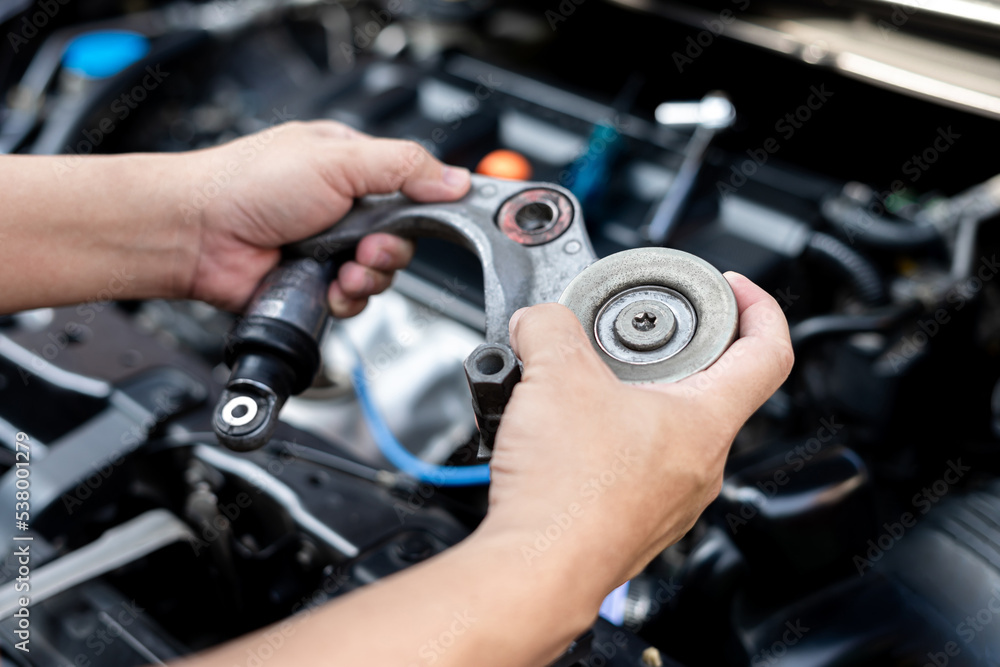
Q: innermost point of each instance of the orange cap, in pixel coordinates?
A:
(505, 164)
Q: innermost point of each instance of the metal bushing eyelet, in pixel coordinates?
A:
(654, 314)
(534, 217)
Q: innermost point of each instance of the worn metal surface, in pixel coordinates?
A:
(700, 300)
(533, 246)
(644, 324)
(515, 274)
(492, 370)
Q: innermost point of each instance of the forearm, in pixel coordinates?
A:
(480, 603)
(94, 229)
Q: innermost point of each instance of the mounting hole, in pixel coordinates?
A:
(536, 216)
(490, 364)
(239, 411)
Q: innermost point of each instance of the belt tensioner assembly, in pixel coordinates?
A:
(652, 314)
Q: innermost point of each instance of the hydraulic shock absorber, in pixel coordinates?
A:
(273, 350)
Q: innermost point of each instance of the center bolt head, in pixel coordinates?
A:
(645, 325)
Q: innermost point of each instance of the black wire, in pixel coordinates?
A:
(830, 325)
(310, 454)
(854, 266)
(878, 231)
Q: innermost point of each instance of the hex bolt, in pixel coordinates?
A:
(492, 370)
(645, 325)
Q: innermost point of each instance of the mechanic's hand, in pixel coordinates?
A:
(584, 461)
(286, 183)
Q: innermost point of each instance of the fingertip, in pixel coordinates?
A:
(734, 277)
(355, 280)
(336, 298)
(439, 182)
(343, 306)
(354, 307)
(747, 292)
(547, 331)
(515, 318)
(385, 252)
(456, 178)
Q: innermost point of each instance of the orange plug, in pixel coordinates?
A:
(505, 164)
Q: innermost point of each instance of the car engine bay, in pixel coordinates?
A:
(859, 522)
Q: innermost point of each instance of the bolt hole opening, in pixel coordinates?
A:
(644, 321)
(239, 411)
(535, 216)
(490, 364)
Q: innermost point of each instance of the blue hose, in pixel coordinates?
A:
(401, 457)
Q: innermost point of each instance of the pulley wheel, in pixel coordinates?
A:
(654, 314)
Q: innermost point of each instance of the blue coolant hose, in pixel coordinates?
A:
(401, 457)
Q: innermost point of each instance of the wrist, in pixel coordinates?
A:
(177, 226)
(99, 228)
(148, 227)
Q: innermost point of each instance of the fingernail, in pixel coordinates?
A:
(455, 176)
(335, 298)
(382, 260)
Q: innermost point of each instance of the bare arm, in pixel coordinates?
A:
(610, 474)
(104, 228)
(621, 471)
(479, 603)
(205, 225)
